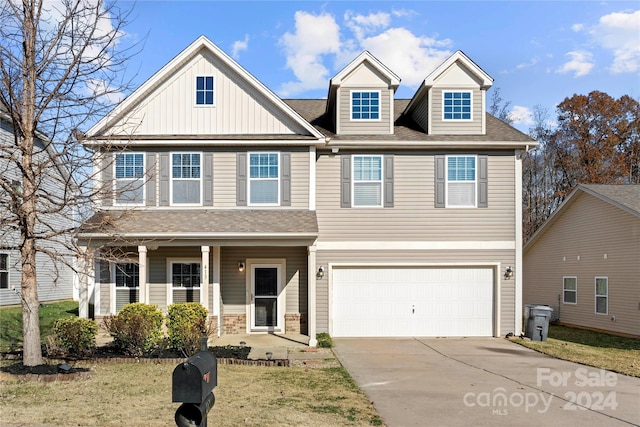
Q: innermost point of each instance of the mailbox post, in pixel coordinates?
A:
(193, 382)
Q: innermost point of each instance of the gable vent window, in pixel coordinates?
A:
(204, 90)
(365, 105)
(456, 105)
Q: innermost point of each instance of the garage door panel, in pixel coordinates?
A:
(412, 302)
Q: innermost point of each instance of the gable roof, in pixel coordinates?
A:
(622, 196)
(429, 81)
(154, 81)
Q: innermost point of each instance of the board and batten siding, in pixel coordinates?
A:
(347, 126)
(414, 216)
(456, 127)
(591, 238)
(415, 258)
(170, 109)
(233, 282)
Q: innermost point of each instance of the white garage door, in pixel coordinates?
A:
(401, 302)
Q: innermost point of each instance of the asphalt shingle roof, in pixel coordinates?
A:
(203, 221)
(625, 195)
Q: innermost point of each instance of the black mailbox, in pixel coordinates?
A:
(192, 384)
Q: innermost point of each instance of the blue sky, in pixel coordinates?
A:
(538, 52)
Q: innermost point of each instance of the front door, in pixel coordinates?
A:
(265, 291)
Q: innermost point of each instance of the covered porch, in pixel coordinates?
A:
(254, 270)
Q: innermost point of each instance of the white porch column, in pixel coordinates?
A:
(311, 291)
(217, 301)
(518, 267)
(204, 288)
(85, 275)
(142, 275)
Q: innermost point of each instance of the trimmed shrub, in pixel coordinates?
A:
(186, 323)
(136, 329)
(74, 335)
(324, 340)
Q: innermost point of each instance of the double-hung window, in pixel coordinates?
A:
(186, 178)
(367, 180)
(365, 105)
(461, 181)
(127, 275)
(570, 290)
(602, 295)
(264, 179)
(4, 271)
(456, 105)
(205, 90)
(129, 182)
(185, 281)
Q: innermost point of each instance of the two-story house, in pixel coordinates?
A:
(357, 215)
(55, 274)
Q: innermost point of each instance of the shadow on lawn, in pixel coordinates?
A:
(592, 338)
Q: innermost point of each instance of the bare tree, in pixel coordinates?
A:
(499, 108)
(61, 65)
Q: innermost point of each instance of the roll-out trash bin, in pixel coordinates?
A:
(538, 322)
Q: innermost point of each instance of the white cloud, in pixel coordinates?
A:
(619, 33)
(363, 25)
(401, 13)
(315, 36)
(101, 89)
(417, 58)
(577, 27)
(580, 63)
(523, 65)
(239, 46)
(521, 115)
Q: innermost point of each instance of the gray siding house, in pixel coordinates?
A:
(356, 215)
(584, 262)
(56, 280)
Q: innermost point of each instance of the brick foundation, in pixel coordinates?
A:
(234, 323)
(295, 323)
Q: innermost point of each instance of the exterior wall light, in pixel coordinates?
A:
(508, 273)
(320, 273)
(241, 266)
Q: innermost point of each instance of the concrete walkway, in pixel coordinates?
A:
(484, 382)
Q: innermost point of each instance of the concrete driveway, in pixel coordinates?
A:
(484, 382)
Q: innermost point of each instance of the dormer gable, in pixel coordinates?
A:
(360, 99)
(451, 99)
(205, 93)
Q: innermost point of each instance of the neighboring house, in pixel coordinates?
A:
(357, 215)
(584, 262)
(55, 280)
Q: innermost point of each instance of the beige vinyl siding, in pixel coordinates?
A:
(588, 228)
(170, 109)
(414, 217)
(233, 282)
(421, 113)
(456, 127)
(104, 278)
(364, 127)
(415, 257)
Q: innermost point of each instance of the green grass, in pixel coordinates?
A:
(597, 349)
(11, 322)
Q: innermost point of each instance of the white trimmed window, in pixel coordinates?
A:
(186, 178)
(461, 181)
(127, 275)
(367, 181)
(205, 92)
(602, 295)
(129, 182)
(4, 271)
(264, 179)
(365, 105)
(185, 281)
(456, 105)
(570, 290)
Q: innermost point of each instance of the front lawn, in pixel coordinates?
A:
(597, 349)
(11, 322)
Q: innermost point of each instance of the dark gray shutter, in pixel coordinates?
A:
(207, 181)
(241, 179)
(440, 172)
(483, 181)
(107, 179)
(388, 181)
(285, 179)
(152, 179)
(165, 181)
(345, 181)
